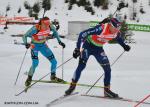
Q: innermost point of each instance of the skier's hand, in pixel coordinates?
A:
(127, 48)
(62, 44)
(76, 53)
(27, 45)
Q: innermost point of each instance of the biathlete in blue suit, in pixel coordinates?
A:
(90, 42)
(38, 35)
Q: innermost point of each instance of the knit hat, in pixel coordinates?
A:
(115, 23)
(45, 20)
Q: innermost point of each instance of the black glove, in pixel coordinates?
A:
(27, 45)
(62, 44)
(127, 47)
(76, 53)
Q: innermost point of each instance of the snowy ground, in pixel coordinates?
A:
(130, 75)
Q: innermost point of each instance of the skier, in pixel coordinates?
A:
(56, 24)
(90, 42)
(38, 35)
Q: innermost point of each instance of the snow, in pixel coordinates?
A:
(130, 74)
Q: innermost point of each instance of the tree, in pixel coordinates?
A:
(19, 10)
(46, 5)
(89, 8)
(97, 3)
(66, 1)
(36, 9)
(7, 9)
(27, 5)
(134, 1)
(142, 10)
(82, 3)
(105, 4)
(32, 11)
(71, 2)
(125, 17)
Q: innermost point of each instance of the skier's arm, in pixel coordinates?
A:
(91, 31)
(121, 42)
(55, 33)
(29, 33)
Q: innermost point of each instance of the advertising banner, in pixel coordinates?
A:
(18, 19)
(133, 27)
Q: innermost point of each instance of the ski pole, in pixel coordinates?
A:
(25, 90)
(21, 66)
(62, 62)
(142, 101)
(119, 7)
(103, 73)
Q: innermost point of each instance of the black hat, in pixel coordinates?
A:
(115, 22)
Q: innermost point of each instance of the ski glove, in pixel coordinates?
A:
(76, 53)
(127, 48)
(62, 44)
(27, 45)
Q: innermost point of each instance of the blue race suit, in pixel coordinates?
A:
(42, 47)
(96, 50)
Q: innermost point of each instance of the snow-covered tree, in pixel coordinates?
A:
(105, 4)
(7, 9)
(66, 1)
(71, 2)
(36, 8)
(46, 5)
(27, 5)
(19, 10)
(134, 1)
(82, 2)
(97, 3)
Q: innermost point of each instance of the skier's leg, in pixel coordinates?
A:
(81, 65)
(103, 60)
(50, 56)
(45, 51)
(35, 61)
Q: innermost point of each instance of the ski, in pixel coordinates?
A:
(120, 98)
(59, 99)
(65, 82)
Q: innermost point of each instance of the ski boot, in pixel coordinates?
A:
(71, 88)
(28, 81)
(109, 93)
(56, 79)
